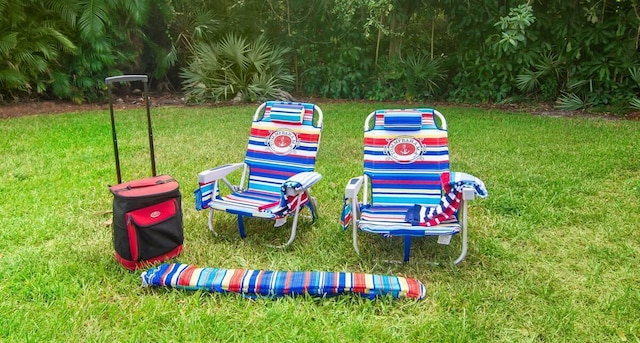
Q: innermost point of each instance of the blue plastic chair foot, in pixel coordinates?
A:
(407, 248)
(241, 227)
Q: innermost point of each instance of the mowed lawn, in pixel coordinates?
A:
(553, 257)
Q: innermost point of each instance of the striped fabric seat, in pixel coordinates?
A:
(283, 144)
(390, 221)
(273, 284)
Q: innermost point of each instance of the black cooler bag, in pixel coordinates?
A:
(147, 221)
(147, 213)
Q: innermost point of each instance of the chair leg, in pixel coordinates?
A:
(241, 227)
(354, 221)
(407, 248)
(313, 207)
(463, 253)
(294, 226)
(210, 222)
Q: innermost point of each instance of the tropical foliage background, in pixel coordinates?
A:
(576, 53)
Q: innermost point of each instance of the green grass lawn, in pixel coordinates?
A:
(554, 251)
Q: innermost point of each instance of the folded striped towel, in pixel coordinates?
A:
(456, 179)
(453, 184)
(289, 203)
(267, 283)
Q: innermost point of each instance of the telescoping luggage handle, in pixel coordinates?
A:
(130, 78)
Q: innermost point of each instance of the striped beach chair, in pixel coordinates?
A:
(407, 189)
(279, 168)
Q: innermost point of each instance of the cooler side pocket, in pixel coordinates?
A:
(155, 230)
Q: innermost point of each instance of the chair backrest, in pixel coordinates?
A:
(284, 141)
(404, 154)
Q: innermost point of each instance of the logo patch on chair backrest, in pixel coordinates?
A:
(404, 149)
(282, 141)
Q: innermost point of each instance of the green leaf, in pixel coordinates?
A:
(570, 102)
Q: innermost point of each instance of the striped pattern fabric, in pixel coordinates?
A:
(453, 184)
(404, 168)
(432, 216)
(403, 120)
(277, 150)
(203, 195)
(390, 221)
(347, 214)
(288, 112)
(272, 284)
(288, 202)
(285, 113)
(458, 179)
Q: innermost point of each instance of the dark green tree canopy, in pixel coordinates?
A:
(578, 53)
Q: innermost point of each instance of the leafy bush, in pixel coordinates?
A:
(338, 71)
(235, 69)
(30, 46)
(415, 78)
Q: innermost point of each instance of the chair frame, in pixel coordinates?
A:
(220, 174)
(361, 183)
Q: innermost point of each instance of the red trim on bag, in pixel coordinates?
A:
(145, 187)
(154, 214)
(132, 265)
(133, 237)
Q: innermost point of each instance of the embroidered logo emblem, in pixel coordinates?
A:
(282, 141)
(404, 149)
(155, 214)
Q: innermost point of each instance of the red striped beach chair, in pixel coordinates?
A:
(278, 169)
(407, 189)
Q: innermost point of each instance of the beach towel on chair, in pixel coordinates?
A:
(453, 183)
(267, 283)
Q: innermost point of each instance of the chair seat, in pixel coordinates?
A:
(389, 221)
(249, 203)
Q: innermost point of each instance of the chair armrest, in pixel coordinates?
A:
(353, 187)
(350, 206)
(468, 193)
(213, 174)
(300, 182)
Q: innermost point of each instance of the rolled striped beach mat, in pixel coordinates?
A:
(269, 283)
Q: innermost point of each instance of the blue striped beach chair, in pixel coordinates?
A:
(278, 168)
(407, 189)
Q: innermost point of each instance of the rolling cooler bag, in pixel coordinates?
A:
(147, 213)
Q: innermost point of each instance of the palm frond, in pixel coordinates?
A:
(547, 64)
(204, 24)
(570, 102)
(8, 41)
(137, 10)
(65, 9)
(577, 84)
(233, 67)
(62, 40)
(60, 85)
(635, 74)
(93, 19)
(12, 78)
(528, 82)
(234, 48)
